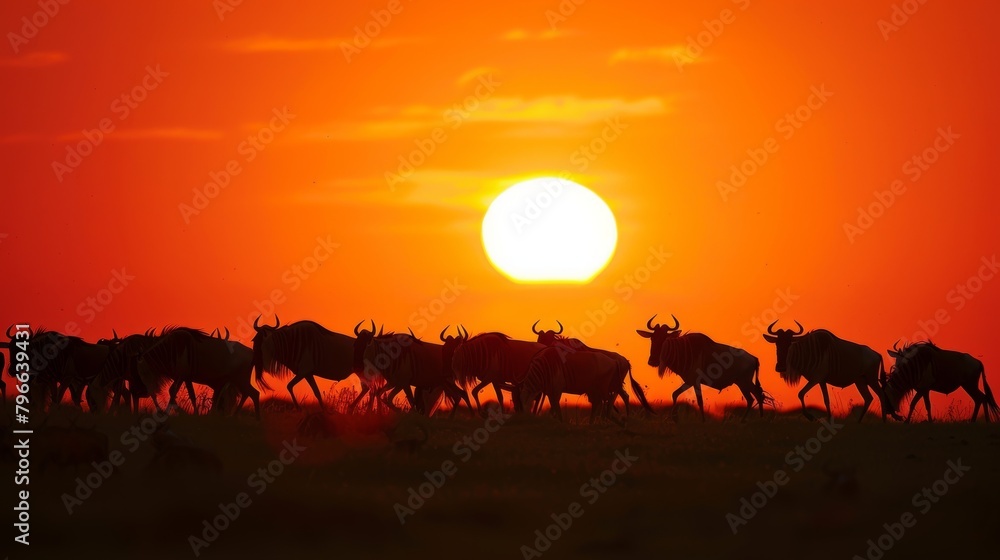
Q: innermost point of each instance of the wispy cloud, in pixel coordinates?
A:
(165, 133)
(525, 35)
(545, 114)
(267, 43)
(34, 59)
(672, 54)
(475, 73)
(457, 189)
(563, 109)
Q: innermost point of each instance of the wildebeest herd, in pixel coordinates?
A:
(123, 371)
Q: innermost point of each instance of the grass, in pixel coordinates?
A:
(338, 497)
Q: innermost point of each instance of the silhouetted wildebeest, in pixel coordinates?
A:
(824, 359)
(82, 363)
(556, 370)
(47, 360)
(698, 360)
(403, 361)
(493, 358)
(306, 350)
(120, 376)
(555, 338)
(191, 355)
(923, 367)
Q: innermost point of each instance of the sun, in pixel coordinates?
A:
(549, 230)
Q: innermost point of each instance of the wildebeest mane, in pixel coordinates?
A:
(905, 373)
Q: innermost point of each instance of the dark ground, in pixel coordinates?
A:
(336, 500)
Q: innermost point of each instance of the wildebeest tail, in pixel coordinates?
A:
(637, 389)
(991, 403)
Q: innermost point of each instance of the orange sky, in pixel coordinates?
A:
(199, 79)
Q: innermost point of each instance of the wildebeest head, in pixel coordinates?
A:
(110, 342)
(361, 339)
(548, 337)
(657, 335)
(262, 334)
(451, 343)
(782, 340)
(913, 361)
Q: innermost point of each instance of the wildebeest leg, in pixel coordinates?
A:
(802, 398)
(697, 395)
(76, 392)
(311, 380)
(536, 407)
(192, 397)
(388, 399)
(913, 405)
(461, 395)
(554, 408)
(826, 400)
(867, 396)
(927, 404)
(624, 395)
(978, 397)
(409, 396)
(684, 387)
(175, 388)
(60, 391)
(291, 389)
(475, 394)
(498, 388)
(364, 390)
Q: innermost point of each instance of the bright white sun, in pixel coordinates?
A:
(549, 230)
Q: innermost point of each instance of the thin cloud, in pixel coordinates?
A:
(269, 44)
(155, 133)
(525, 35)
(668, 54)
(563, 109)
(458, 189)
(550, 112)
(34, 59)
(475, 73)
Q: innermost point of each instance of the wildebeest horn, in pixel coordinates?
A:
(373, 325)
(10, 336)
(277, 321)
(801, 328)
(356, 333)
(441, 336)
(770, 328)
(411, 332)
(465, 333)
(677, 323)
(533, 329)
(894, 345)
(379, 328)
(649, 323)
(227, 333)
(560, 328)
(256, 323)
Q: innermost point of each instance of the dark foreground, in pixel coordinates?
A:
(677, 482)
